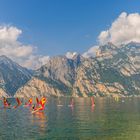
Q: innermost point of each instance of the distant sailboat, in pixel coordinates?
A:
(71, 103)
(116, 97)
(18, 103)
(59, 103)
(92, 101)
(92, 104)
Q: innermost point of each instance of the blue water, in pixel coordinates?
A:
(108, 120)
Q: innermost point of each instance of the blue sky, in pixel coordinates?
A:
(58, 26)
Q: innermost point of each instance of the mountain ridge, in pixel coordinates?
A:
(115, 70)
(12, 75)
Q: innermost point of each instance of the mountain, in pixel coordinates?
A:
(3, 93)
(114, 71)
(36, 87)
(58, 76)
(12, 76)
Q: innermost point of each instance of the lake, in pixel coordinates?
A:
(107, 120)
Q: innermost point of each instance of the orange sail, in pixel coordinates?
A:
(37, 100)
(18, 101)
(41, 106)
(5, 102)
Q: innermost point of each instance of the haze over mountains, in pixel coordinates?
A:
(115, 70)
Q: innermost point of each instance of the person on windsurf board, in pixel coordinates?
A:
(40, 106)
(71, 103)
(29, 103)
(92, 101)
(6, 104)
(18, 103)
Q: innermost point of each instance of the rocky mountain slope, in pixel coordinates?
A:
(114, 71)
(12, 76)
(3, 93)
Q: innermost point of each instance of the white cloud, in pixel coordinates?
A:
(124, 29)
(35, 61)
(91, 52)
(23, 54)
(43, 59)
(9, 33)
(70, 55)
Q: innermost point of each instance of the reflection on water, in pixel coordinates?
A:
(39, 119)
(109, 119)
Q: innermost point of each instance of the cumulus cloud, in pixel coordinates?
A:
(23, 54)
(124, 29)
(35, 61)
(8, 33)
(91, 52)
(70, 55)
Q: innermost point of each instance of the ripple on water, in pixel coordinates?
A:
(107, 120)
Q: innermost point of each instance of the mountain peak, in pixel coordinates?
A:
(133, 43)
(4, 57)
(6, 60)
(12, 75)
(110, 44)
(71, 55)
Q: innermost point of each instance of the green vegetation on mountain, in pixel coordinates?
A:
(115, 70)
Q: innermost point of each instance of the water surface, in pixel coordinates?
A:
(108, 120)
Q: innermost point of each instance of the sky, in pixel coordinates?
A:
(43, 28)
